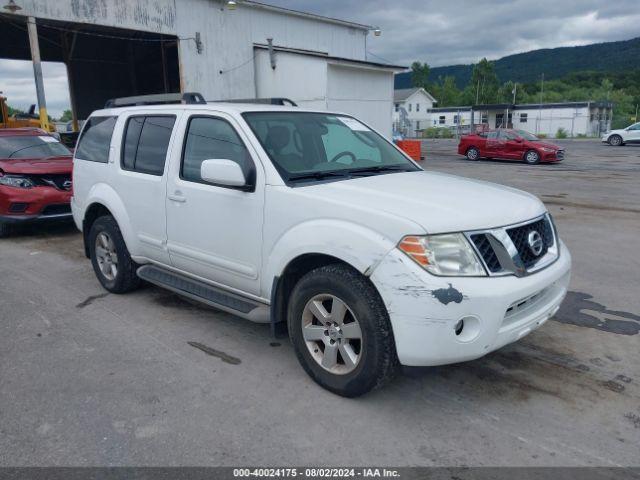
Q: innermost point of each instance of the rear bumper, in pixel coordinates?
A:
(424, 309)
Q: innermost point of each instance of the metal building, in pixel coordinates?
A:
(223, 49)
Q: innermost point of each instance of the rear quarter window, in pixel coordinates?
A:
(95, 140)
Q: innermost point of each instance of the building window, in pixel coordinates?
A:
(484, 118)
(441, 120)
(523, 118)
(409, 107)
(417, 124)
(397, 107)
(455, 119)
(417, 107)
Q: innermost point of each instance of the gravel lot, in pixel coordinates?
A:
(88, 378)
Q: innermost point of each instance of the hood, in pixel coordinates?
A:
(40, 166)
(438, 202)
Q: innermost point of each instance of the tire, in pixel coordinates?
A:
(107, 248)
(532, 157)
(373, 356)
(473, 154)
(615, 140)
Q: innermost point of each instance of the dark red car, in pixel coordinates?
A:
(35, 177)
(508, 144)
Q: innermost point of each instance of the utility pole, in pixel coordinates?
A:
(37, 71)
(540, 105)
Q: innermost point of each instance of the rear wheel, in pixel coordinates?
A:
(473, 153)
(615, 140)
(341, 332)
(532, 157)
(110, 258)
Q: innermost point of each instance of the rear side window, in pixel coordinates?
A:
(145, 143)
(96, 139)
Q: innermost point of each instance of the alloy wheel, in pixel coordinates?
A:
(106, 256)
(332, 334)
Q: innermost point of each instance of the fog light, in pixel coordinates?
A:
(459, 326)
(18, 207)
(467, 329)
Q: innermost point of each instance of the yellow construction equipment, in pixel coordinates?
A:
(29, 119)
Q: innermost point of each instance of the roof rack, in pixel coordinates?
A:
(263, 101)
(189, 98)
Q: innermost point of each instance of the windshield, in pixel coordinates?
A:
(526, 135)
(305, 146)
(31, 146)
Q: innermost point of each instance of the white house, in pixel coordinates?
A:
(575, 118)
(416, 102)
(222, 49)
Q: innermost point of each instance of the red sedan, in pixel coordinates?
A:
(35, 178)
(509, 145)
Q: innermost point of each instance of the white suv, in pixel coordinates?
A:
(619, 137)
(314, 222)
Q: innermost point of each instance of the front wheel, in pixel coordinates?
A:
(110, 258)
(532, 157)
(615, 140)
(473, 153)
(341, 332)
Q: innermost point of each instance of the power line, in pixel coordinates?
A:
(101, 35)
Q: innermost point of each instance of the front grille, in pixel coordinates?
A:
(486, 251)
(61, 181)
(560, 154)
(519, 237)
(56, 209)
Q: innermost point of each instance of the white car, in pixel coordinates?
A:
(631, 134)
(314, 222)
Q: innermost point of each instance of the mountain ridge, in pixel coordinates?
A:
(527, 67)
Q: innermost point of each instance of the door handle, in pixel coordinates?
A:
(177, 197)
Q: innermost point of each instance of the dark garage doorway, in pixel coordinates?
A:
(102, 62)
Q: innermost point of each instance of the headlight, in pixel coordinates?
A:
(16, 181)
(548, 150)
(447, 255)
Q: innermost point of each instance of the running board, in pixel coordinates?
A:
(204, 293)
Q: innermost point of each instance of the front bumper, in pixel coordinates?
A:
(425, 310)
(25, 205)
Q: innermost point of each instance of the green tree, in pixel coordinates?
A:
(420, 74)
(446, 92)
(485, 82)
(66, 116)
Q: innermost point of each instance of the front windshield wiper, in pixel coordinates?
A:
(381, 168)
(25, 148)
(317, 175)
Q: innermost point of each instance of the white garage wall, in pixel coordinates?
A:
(300, 78)
(366, 93)
(320, 83)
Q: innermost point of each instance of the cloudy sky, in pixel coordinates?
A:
(440, 32)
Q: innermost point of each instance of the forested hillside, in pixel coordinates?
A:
(527, 67)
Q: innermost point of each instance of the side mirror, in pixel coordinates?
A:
(222, 172)
(519, 139)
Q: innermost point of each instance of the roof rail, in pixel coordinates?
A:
(158, 99)
(263, 101)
